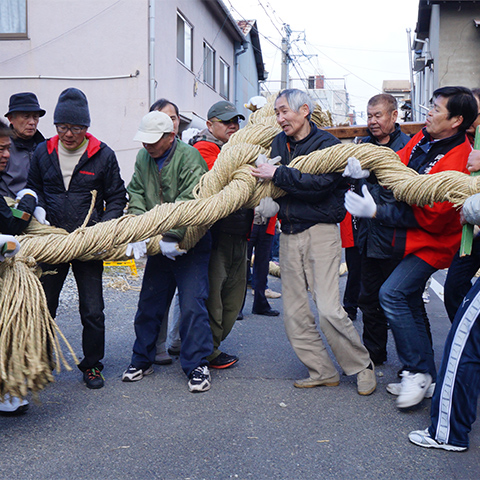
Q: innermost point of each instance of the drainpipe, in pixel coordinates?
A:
(151, 51)
(241, 51)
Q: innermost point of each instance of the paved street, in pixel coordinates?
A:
(252, 424)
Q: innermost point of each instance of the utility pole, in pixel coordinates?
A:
(285, 57)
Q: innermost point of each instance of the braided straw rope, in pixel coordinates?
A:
(223, 190)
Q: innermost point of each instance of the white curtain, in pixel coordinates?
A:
(13, 16)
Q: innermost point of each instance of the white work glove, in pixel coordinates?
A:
(363, 207)
(41, 215)
(171, 249)
(262, 158)
(3, 241)
(354, 169)
(25, 191)
(139, 249)
(268, 207)
(471, 209)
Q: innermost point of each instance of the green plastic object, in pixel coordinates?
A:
(467, 232)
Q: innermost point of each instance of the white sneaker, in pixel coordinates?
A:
(422, 438)
(414, 388)
(396, 388)
(13, 405)
(200, 380)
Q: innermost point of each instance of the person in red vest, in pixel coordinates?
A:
(430, 237)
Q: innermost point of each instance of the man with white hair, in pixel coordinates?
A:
(310, 250)
(166, 171)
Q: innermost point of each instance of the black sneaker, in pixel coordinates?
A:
(133, 374)
(223, 361)
(93, 378)
(199, 380)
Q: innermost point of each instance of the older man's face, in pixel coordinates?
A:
(4, 152)
(381, 121)
(157, 149)
(24, 123)
(223, 129)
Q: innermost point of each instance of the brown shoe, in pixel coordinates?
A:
(317, 382)
(366, 381)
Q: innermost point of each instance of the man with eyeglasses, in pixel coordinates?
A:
(64, 171)
(227, 272)
(24, 113)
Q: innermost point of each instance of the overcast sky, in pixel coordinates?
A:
(364, 42)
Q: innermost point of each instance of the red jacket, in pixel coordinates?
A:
(438, 238)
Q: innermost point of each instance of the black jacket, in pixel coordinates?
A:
(371, 236)
(97, 170)
(10, 224)
(310, 199)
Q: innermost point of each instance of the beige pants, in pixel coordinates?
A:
(309, 262)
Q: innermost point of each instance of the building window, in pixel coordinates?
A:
(13, 19)
(224, 80)
(184, 41)
(208, 65)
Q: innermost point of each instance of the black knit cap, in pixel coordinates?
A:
(72, 108)
(24, 102)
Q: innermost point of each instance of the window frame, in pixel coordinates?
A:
(209, 69)
(185, 52)
(17, 35)
(224, 83)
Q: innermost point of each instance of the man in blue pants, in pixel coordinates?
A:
(454, 403)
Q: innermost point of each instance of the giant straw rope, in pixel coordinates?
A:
(26, 328)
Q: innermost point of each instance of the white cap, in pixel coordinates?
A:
(153, 126)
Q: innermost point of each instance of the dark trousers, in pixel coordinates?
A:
(375, 326)
(88, 276)
(454, 403)
(261, 241)
(189, 273)
(459, 278)
(352, 287)
(402, 302)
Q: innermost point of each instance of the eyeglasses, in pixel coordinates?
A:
(234, 120)
(64, 129)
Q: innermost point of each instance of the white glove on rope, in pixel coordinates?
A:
(139, 249)
(171, 249)
(262, 158)
(471, 209)
(3, 241)
(41, 215)
(268, 207)
(25, 191)
(363, 207)
(354, 169)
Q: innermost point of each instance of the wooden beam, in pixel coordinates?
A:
(344, 132)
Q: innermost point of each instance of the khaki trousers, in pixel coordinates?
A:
(309, 262)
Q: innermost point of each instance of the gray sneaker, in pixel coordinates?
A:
(134, 374)
(422, 438)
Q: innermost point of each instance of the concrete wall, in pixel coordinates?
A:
(459, 46)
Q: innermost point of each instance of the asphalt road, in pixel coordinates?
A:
(252, 424)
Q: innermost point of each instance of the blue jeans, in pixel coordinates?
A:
(189, 273)
(401, 300)
(459, 278)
